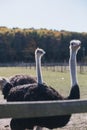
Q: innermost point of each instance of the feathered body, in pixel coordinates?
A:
(40, 92)
(18, 79)
(15, 81)
(21, 79)
(36, 92)
(48, 122)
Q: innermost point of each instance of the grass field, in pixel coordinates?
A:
(61, 82)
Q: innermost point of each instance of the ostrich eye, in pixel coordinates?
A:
(38, 51)
(72, 44)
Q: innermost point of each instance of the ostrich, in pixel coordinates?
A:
(20, 79)
(42, 92)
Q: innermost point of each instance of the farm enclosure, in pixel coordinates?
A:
(61, 82)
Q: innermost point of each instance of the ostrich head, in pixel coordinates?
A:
(39, 52)
(75, 45)
(3, 82)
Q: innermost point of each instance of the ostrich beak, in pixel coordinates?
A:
(44, 52)
(79, 45)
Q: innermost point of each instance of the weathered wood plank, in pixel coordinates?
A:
(42, 108)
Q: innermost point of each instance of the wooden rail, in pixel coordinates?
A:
(41, 108)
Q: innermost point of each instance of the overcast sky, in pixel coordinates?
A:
(70, 15)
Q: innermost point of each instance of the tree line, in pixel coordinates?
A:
(18, 45)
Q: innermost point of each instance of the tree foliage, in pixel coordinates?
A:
(18, 45)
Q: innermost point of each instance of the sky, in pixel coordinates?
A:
(69, 15)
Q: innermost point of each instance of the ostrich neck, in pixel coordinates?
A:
(72, 63)
(38, 70)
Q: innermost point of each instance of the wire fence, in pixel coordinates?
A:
(60, 67)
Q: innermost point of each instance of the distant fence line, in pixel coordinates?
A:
(60, 67)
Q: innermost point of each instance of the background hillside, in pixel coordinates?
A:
(18, 45)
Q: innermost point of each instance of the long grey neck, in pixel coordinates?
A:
(38, 70)
(73, 71)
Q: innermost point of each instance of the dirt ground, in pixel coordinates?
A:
(77, 122)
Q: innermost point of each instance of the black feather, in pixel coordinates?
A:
(39, 92)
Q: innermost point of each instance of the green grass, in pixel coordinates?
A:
(60, 81)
